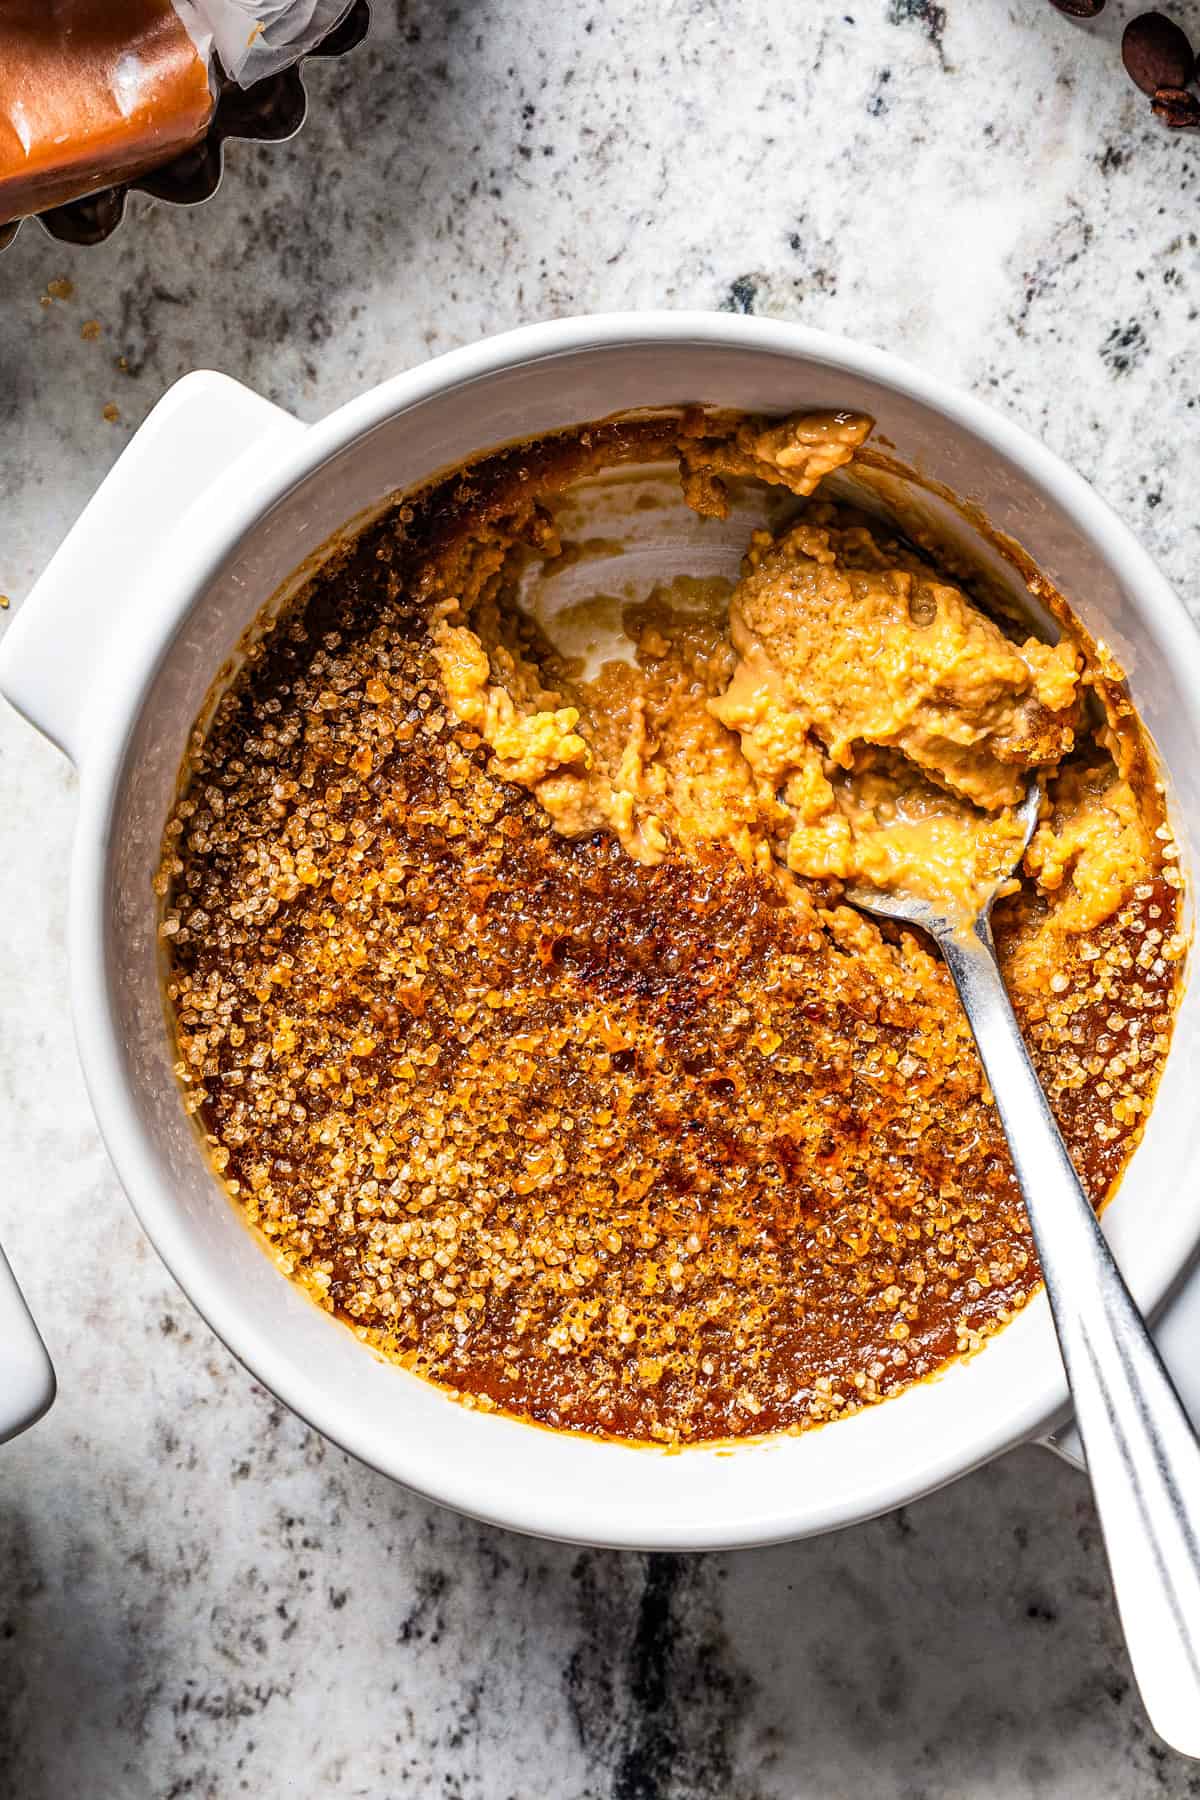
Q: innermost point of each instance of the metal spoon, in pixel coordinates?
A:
(1142, 1453)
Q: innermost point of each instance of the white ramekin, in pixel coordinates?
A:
(217, 499)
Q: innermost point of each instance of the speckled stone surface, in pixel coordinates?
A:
(197, 1595)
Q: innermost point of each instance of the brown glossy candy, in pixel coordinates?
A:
(1176, 107)
(92, 92)
(1156, 53)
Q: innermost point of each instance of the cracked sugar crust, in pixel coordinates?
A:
(647, 1150)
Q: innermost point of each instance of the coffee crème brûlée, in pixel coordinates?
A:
(516, 993)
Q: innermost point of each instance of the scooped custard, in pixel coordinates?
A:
(516, 994)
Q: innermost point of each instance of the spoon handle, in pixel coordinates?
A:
(1142, 1453)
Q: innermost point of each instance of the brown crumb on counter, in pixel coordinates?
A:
(112, 413)
(90, 330)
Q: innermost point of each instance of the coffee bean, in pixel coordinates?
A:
(1079, 9)
(1176, 107)
(1156, 53)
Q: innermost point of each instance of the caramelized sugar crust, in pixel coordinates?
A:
(652, 1150)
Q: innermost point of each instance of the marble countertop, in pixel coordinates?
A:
(200, 1597)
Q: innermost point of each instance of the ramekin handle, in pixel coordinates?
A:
(26, 1375)
(1176, 1329)
(52, 653)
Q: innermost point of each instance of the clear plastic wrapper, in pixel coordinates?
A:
(257, 38)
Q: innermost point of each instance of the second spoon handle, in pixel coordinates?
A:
(1142, 1453)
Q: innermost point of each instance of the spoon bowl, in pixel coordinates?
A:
(915, 909)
